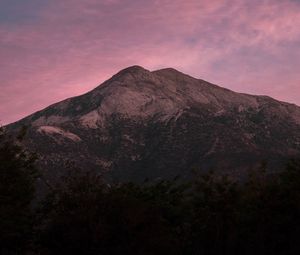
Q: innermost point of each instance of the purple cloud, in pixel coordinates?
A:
(65, 48)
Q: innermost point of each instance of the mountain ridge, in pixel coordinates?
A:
(134, 69)
(164, 122)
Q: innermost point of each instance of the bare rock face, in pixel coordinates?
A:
(141, 124)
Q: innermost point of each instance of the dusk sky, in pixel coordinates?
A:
(54, 49)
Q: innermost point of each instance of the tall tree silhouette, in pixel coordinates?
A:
(17, 188)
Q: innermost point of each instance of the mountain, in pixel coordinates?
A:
(141, 124)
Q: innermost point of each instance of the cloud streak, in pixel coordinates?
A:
(65, 48)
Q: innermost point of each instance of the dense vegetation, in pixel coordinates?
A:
(213, 214)
(17, 186)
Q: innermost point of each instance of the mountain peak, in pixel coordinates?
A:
(139, 72)
(133, 70)
(171, 73)
(168, 70)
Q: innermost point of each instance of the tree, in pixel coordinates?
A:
(17, 189)
(82, 215)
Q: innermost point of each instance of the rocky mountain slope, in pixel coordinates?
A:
(141, 124)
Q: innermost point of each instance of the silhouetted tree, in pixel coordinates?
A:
(85, 216)
(17, 188)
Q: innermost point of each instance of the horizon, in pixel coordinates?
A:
(53, 50)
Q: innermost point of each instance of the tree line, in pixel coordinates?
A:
(81, 214)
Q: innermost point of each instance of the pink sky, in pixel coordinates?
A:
(54, 49)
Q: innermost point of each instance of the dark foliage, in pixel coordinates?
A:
(211, 215)
(85, 216)
(17, 186)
